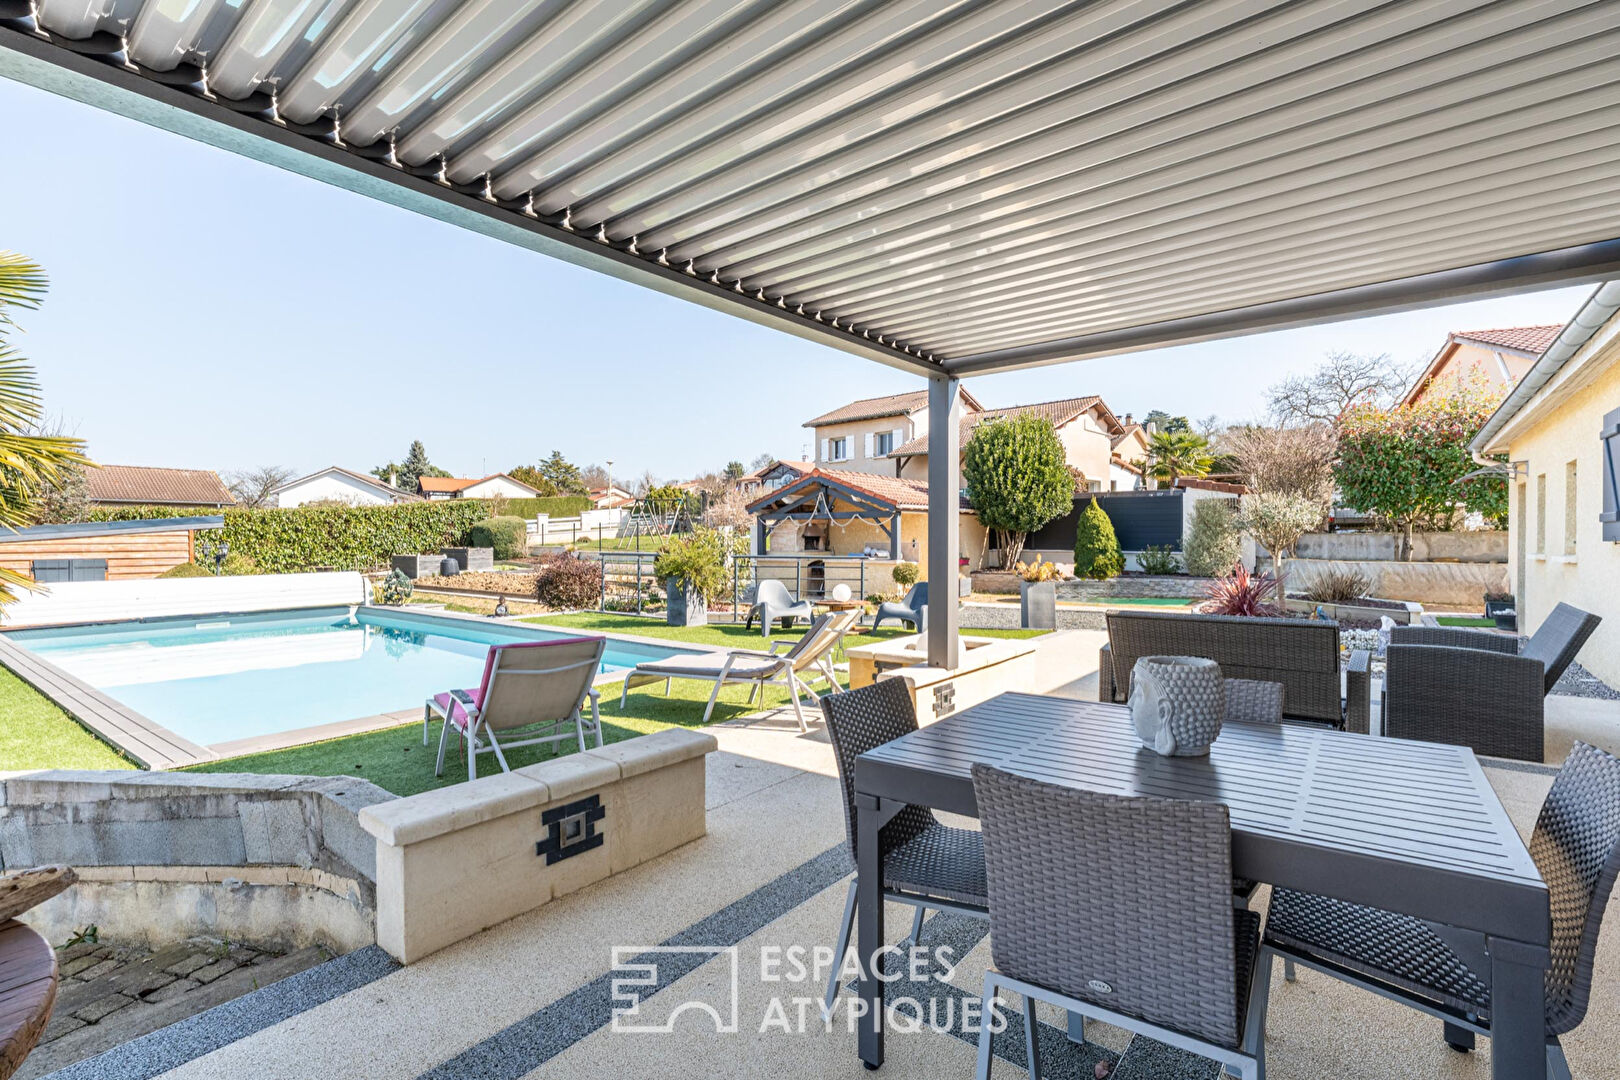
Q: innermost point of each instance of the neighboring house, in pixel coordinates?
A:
(772, 476)
(1127, 460)
(142, 485)
(1084, 425)
(862, 436)
(611, 497)
(1560, 431)
(101, 550)
(1496, 358)
(337, 484)
(837, 512)
(460, 487)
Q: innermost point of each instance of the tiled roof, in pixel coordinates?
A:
(370, 481)
(1210, 485)
(895, 491)
(1529, 339)
(889, 405)
(1125, 433)
(144, 484)
(444, 483)
(1058, 412)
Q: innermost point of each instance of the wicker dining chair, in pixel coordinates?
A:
(926, 863)
(1116, 908)
(1576, 847)
(1478, 689)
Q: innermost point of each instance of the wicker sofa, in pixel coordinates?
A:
(1479, 689)
(1301, 654)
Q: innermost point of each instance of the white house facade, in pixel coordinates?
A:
(337, 484)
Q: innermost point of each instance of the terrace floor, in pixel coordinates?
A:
(533, 996)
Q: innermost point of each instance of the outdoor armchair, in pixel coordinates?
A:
(803, 661)
(1576, 847)
(1478, 689)
(912, 611)
(772, 601)
(1301, 654)
(1117, 908)
(532, 692)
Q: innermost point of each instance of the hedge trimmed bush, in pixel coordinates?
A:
(234, 566)
(568, 582)
(1096, 548)
(337, 537)
(507, 535)
(558, 506)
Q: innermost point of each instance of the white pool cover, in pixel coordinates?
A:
(941, 185)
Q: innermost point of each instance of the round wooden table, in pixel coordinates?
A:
(27, 991)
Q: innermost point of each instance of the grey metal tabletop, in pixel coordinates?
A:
(1406, 826)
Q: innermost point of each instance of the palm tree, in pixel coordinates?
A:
(29, 461)
(1178, 453)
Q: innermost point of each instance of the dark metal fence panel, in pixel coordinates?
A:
(1141, 519)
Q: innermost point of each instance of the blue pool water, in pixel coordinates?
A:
(215, 680)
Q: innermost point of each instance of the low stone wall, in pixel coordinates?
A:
(1479, 545)
(458, 860)
(273, 860)
(985, 667)
(1133, 585)
(1459, 586)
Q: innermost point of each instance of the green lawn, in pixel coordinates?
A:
(35, 734)
(1464, 620)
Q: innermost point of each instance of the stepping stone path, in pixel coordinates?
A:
(111, 993)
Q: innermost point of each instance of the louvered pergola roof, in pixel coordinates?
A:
(949, 187)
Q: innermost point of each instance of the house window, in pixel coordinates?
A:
(883, 444)
(1541, 514)
(837, 449)
(1611, 477)
(49, 571)
(1569, 508)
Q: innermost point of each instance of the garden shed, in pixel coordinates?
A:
(102, 550)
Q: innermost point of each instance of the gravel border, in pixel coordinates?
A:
(1576, 681)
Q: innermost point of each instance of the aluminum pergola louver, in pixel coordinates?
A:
(950, 187)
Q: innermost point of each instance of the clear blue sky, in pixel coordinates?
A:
(210, 311)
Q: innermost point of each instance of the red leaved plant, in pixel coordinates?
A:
(1242, 593)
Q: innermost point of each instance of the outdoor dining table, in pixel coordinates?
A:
(1406, 826)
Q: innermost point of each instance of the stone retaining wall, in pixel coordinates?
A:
(1458, 586)
(274, 860)
(1477, 545)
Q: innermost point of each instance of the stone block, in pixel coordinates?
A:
(568, 778)
(655, 812)
(274, 832)
(183, 841)
(648, 752)
(458, 807)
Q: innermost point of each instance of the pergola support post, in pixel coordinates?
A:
(944, 517)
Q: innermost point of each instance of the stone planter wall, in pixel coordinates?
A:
(471, 558)
(1133, 585)
(270, 860)
(415, 566)
(1458, 586)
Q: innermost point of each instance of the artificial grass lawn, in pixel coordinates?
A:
(35, 734)
(1464, 620)
(395, 759)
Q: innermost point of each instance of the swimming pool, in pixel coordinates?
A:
(224, 679)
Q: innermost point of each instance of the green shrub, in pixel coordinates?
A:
(396, 588)
(700, 558)
(507, 535)
(906, 574)
(557, 506)
(1158, 560)
(1213, 544)
(1096, 548)
(568, 582)
(282, 541)
(235, 564)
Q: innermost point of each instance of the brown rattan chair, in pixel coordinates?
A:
(1117, 909)
(1301, 654)
(1576, 846)
(1477, 689)
(926, 863)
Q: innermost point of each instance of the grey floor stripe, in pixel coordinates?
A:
(537, 1038)
(173, 1046)
(1509, 765)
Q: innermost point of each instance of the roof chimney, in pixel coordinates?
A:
(1129, 420)
(393, 477)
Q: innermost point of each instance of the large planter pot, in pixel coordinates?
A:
(685, 606)
(1037, 605)
(1177, 704)
(471, 558)
(1493, 608)
(415, 566)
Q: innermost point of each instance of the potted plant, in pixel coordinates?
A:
(693, 569)
(1498, 602)
(1037, 595)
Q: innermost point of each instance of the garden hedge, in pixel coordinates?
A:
(558, 506)
(337, 537)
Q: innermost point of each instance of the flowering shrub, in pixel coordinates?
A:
(1242, 593)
